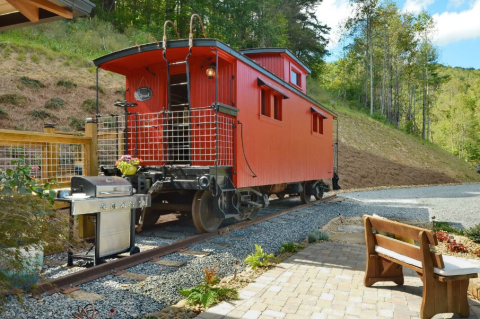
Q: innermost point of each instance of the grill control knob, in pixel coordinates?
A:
(114, 206)
(103, 207)
(122, 205)
(131, 204)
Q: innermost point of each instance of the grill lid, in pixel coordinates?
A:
(101, 186)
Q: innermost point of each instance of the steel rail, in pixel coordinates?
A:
(69, 281)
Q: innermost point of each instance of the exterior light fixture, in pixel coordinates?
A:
(211, 71)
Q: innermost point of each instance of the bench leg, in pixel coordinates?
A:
(444, 297)
(379, 269)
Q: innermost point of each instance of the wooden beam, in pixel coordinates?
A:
(47, 5)
(26, 8)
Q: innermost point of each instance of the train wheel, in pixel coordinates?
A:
(280, 195)
(304, 198)
(319, 196)
(202, 212)
(151, 217)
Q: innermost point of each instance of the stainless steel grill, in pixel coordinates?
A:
(111, 200)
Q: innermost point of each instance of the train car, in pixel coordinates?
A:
(217, 130)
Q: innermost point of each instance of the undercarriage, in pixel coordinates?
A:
(208, 194)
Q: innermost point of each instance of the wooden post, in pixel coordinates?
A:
(92, 152)
(49, 155)
(86, 227)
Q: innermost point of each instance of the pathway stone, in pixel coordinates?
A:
(83, 295)
(326, 281)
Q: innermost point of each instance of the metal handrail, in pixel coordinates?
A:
(165, 32)
(190, 36)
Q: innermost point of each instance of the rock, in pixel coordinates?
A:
(351, 229)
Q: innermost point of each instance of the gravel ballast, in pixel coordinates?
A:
(132, 299)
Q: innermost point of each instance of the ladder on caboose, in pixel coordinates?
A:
(177, 140)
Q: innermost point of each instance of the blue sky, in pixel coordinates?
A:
(458, 27)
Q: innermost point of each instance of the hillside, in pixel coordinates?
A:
(374, 154)
(39, 85)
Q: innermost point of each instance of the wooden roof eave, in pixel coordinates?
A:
(208, 43)
(22, 13)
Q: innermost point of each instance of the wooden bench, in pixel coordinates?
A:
(445, 278)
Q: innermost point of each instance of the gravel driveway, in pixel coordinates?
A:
(459, 204)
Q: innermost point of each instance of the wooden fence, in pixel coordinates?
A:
(51, 154)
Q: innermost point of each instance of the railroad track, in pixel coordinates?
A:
(69, 282)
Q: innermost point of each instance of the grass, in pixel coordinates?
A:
(90, 105)
(54, 103)
(7, 52)
(445, 226)
(13, 99)
(82, 39)
(66, 84)
(3, 114)
(101, 89)
(31, 83)
(75, 123)
(42, 114)
(34, 57)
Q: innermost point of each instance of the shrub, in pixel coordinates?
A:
(27, 218)
(474, 233)
(316, 235)
(54, 103)
(3, 114)
(208, 293)
(90, 105)
(290, 248)
(34, 57)
(66, 84)
(42, 114)
(75, 123)
(445, 226)
(6, 52)
(31, 83)
(101, 89)
(13, 99)
(21, 57)
(259, 258)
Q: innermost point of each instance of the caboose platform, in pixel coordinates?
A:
(326, 281)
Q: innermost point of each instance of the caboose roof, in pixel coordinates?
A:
(145, 57)
(278, 51)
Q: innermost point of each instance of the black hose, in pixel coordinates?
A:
(243, 147)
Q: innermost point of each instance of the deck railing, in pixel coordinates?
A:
(199, 137)
(52, 155)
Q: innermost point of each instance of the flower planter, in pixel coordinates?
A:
(32, 260)
(130, 170)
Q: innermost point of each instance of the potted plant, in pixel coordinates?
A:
(128, 165)
(28, 226)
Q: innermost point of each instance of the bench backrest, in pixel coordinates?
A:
(424, 237)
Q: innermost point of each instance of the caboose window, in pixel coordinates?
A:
(277, 107)
(295, 78)
(265, 100)
(317, 123)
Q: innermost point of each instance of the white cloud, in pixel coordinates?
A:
(455, 3)
(416, 6)
(334, 13)
(456, 26)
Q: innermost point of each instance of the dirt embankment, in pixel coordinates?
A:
(361, 169)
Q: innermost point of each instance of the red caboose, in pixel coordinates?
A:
(218, 130)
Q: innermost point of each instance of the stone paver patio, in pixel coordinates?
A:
(326, 281)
